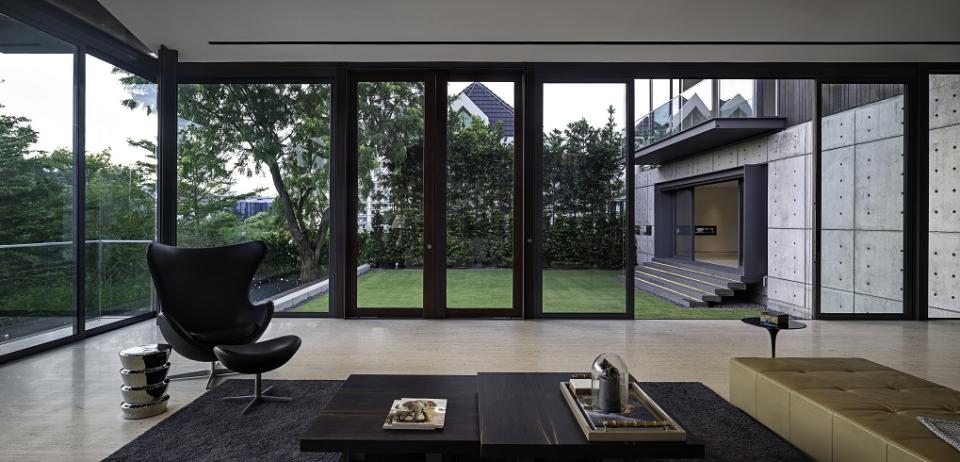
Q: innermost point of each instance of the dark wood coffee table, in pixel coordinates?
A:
(523, 415)
(494, 416)
(352, 423)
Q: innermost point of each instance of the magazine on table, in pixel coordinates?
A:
(416, 414)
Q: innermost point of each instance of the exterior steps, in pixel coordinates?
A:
(674, 296)
(731, 280)
(687, 284)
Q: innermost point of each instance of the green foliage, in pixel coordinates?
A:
(479, 194)
(280, 129)
(583, 192)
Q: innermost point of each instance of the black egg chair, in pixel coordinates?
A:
(204, 296)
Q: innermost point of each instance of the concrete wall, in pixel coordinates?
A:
(789, 214)
(862, 212)
(944, 268)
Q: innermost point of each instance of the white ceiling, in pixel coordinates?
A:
(188, 26)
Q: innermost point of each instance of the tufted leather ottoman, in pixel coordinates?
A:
(845, 409)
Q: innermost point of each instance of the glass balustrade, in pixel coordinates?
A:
(734, 98)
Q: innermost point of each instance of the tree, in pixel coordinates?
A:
(583, 183)
(282, 129)
(479, 194)
(35, 199)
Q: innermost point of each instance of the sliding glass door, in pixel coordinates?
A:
(38, 257)
(389, 155)
(482, 198)
(584, 199)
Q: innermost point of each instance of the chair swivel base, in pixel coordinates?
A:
(259, 395)
(211, 374)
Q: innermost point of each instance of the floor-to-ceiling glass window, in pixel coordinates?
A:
(480, 194)
(37, 262)
(584, 198)
(943, 290)
(862, 206)
(254, 163)
(390, 211)
(121, 132)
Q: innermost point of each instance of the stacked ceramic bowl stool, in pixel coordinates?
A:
(145, 381)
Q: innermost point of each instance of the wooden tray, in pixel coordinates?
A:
(672, 432)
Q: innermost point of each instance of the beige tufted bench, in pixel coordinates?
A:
(845, 409)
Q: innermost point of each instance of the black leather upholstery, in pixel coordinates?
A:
(205, 296)
(256, 358)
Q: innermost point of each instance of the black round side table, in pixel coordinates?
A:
(773, 329)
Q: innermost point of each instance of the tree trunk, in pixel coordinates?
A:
(305, 249)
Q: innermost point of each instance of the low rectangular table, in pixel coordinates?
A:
(493, 416)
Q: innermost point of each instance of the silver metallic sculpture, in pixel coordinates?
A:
(145, 381)
(610, 383)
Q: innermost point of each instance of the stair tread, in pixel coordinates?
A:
(686, 289)
(728, 282)
(731, 276)
(705, 283)
(663, 293)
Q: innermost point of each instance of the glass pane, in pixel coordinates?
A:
(943, 292)
(716, 223)
(253, 164)
(480, 156)
(583, 198)
(737, 98)
(121, 135)
(36, 170)
(390, 212)
(861, 249)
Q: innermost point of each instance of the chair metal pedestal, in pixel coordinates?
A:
(259, 395)
(211, 374)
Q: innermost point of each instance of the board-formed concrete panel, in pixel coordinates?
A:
(878, 265)
(725, 158)
(785, 254)
(786, 292)
(935, 312)
(644, 206)
(944, 271)
(786, 193)
(879, 185)
(676, 170)
(944, 100)
(867, 304)
(793, 141)
(752, 152)
(703, 164)
(883, 119)
(836, 259)
(809, 191)
(836, 301)
(945, 179)
(837, 180)
(837, 130)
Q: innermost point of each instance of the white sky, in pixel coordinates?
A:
(40, 87)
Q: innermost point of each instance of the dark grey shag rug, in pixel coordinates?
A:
(209, 429)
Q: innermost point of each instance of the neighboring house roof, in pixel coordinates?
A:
(492, 107)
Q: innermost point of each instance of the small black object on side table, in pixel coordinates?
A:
(774, 329)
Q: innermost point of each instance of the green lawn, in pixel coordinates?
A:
(564, 291)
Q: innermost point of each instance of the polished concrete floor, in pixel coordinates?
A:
(63, 405)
